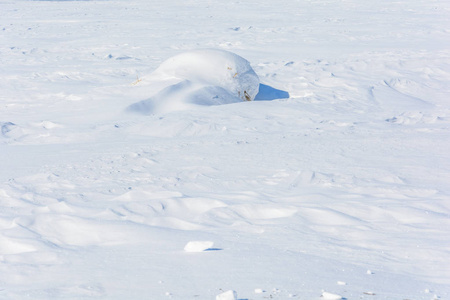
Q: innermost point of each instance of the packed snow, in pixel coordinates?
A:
(132, 165)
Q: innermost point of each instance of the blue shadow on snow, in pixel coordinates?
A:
(267, 93)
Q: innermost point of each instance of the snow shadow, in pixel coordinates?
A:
(6, 127)
(267, 93)
(213, 249)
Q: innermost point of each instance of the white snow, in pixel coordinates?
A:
(198, 246)
(124, 136)
(228, 295)
(330, 296)
(199, 77)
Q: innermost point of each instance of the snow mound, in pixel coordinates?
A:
(200, 77)
(198, 246)
(330, 296)
(215, 68)
(228, 295)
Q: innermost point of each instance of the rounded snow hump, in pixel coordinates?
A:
(200, 77)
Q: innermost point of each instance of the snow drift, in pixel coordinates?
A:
(200, 77)
(338, 189)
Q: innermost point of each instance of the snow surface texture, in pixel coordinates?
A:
(334, 182)
(203, 77)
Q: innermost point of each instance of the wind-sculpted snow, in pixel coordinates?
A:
(332, 184)
(203, 77)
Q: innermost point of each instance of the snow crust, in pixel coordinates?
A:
(333, 181)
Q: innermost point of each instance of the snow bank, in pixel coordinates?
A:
(200, 77)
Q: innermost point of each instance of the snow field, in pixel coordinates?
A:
(339, 176)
